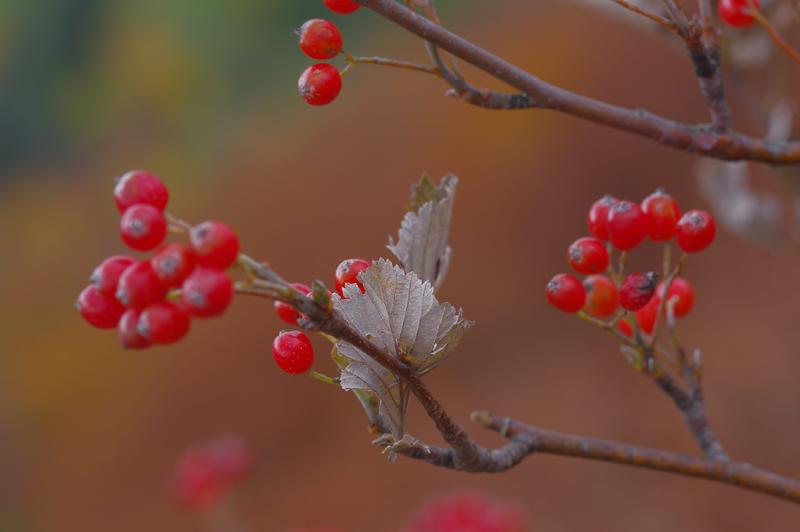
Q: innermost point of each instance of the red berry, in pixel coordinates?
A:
(164, 323)
(625, 328)
(319, 84)
(207, 292)
(646, 316)
(139, 186)
(196, 483)
(347, 273)
(139, 286)
(215, 244)
(285, 311)
(682, 291)
(598, 216)
(293, 352)
(320, 39)
(106, 276)
(602, 297)
(467, 513)
(736, 13)
(566, 292)
(173, 264)
(342, 7)
(143, 227)
(128, 332)
(627, 225)
(663, 213)
(588, 255)
(637, 289)
(696, 231)
(231, 456)
(98, 309)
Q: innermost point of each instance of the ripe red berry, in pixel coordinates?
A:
(106, 276)
(207, 292)
(736, 13)
(137, 187)
(646, 316)
(696, 231)
(466, 512)
(196, 483)
(320, 39)
(598, 216)
(588, 255)
(98, 309)
(293, 352)
(143, 227)
(602, 297)
(215, 244)
(566, 292)
(285, 311)
(683, 293)
(662, 213)
(231, 456)
(347, 273)
(139, 286)
(164, 323)
(319, 84)
(128, 332)
(637, 289)
(627, 225)
(342, 7)
(625, 328)
(173, 264)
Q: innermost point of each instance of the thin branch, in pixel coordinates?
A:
(773, 33)
(395, 63)
(700, 138)
(658, 19)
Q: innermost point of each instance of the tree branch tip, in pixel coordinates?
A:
(482, 418)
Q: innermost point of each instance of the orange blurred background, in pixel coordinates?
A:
(203, 93)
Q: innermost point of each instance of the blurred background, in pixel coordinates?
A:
(203, 93)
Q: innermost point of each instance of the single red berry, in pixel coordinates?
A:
(342, 7)
(637, 289)
(696, 231)
(646, 316)
(566, 292)
(293, 352)
(173, 264)
(143, 227)
(602, 297)
(139, 286)
(215, 244)
(164, 323)
(347, 273)
(319, 84)
(320, 39)
(588, 255)
(625, 328)
(196, 483)
(627, 225)
(231, 456)
(598, 216)
(736, 13)
(681, 290)
(207, 292)
(128, 332)
(467, 512)
(662, 213)
(137, 187)
(98, 309)
(285, 311)
(106, 276)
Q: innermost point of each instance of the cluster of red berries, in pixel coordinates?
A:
(292, 350)
(152, 301)
(737, 13)
(321, 83)
(204, 474)
(624, 225)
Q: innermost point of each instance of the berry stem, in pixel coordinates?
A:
(323, 378)
(667, 284)
(658, 19)
(773, 33)
(388, 62)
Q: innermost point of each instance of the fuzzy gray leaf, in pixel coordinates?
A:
(398, 313)
(421, 244)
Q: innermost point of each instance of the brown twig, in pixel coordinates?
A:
(773, 33)
(389, 62)
(658, 19)
(707, 140)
